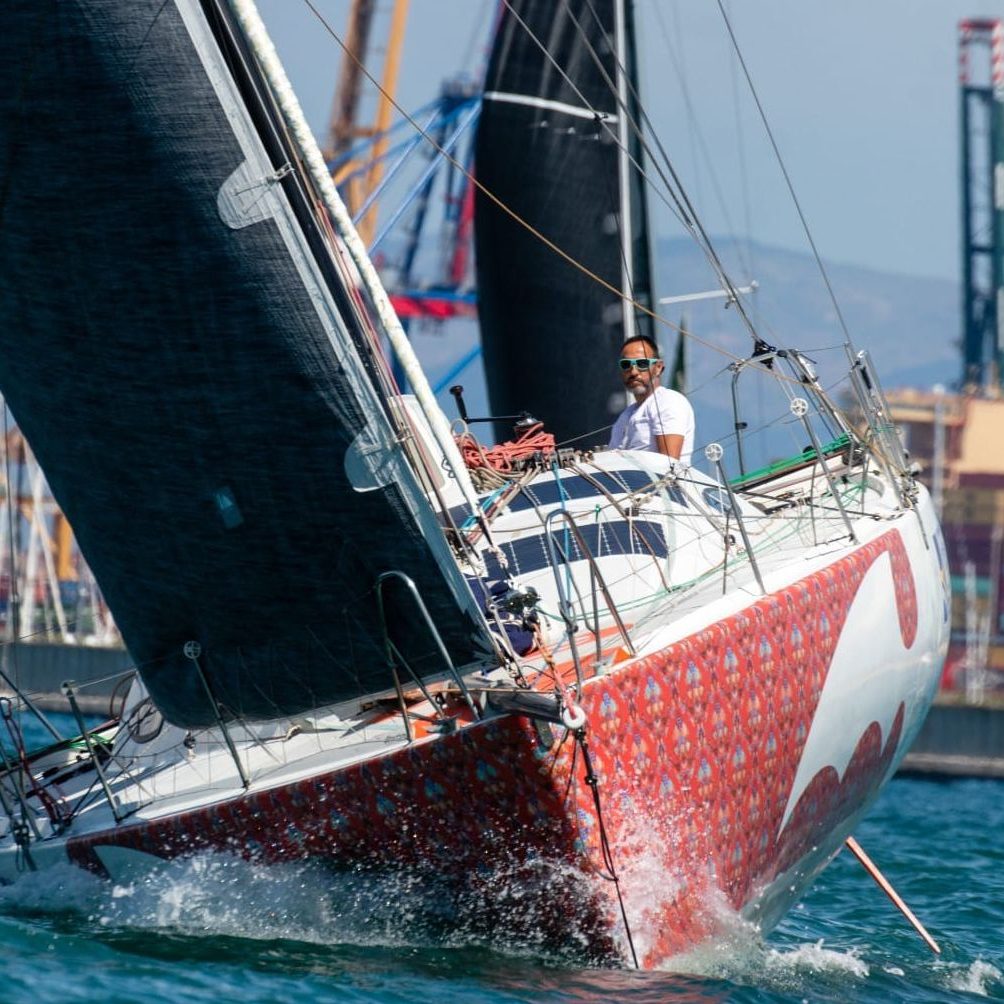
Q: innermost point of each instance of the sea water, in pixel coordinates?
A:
(217, 929)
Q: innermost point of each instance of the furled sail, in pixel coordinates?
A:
(555, 146)
(182, 350)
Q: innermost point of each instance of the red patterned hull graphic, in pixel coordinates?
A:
(696, 749)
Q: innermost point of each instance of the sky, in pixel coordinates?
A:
(861, 96)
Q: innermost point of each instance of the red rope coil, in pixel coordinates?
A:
(504, 456)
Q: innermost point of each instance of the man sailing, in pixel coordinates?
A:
(660, 420)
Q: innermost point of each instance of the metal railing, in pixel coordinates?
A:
(887, 446)
(19, 783)
(565, 605)
(394, 653)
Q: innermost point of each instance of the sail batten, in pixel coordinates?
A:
(533, 101)
(181, 358)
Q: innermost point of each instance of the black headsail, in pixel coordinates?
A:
(177, 347)
(554, 146)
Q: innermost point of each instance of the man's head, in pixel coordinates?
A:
(640, 365)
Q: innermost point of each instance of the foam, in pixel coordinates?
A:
(976, 978)
(217, 894)
(739, 954)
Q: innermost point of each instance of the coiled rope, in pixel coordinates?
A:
(505, 456)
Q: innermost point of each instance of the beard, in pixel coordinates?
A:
(640, 387)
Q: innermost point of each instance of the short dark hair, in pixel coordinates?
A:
(648, 340)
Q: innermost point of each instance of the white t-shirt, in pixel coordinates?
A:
(663, 413)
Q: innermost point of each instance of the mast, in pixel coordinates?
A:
(642, 280)
(624, 168)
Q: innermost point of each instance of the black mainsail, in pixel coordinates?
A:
(555, 146)
(181, 348)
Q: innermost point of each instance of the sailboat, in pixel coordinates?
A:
(642, 691)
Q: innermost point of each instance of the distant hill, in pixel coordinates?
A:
(909, 325)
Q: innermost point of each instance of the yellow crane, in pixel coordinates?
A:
(346, 129)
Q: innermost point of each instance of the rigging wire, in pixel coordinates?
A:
(678, 62)
(696, 229)
(682, 207)
(564, 255)
(695, 226)
(679, 196)
(608, 858)
(697, 140)
(687, 211)
(784, 172)
(743, 168)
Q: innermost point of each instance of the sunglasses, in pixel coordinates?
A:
(641, 365)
